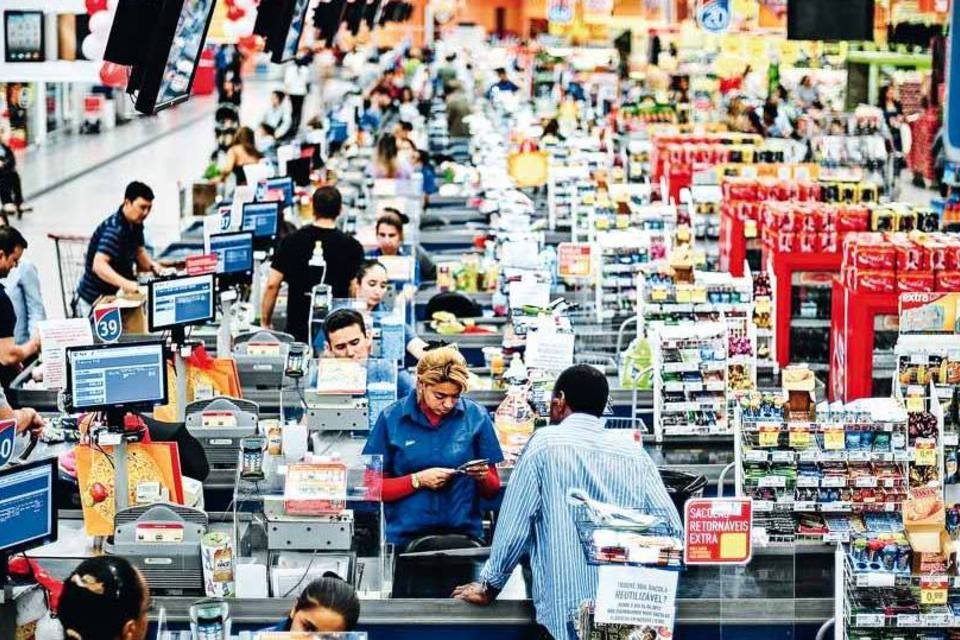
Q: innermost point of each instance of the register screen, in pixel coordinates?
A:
(119, 375)
(182, 301)
(261, 218)
(234, 252)
(25, 506)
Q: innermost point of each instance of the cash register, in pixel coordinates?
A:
(219, 424)
(28, 520)
(162, 540)
(262, 357)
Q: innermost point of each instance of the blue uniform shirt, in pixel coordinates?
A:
(120, 240)
(408, 443)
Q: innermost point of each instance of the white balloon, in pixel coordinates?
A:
(93, 47)
(111, 6)
(100, 23)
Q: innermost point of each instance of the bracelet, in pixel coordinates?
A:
(415, 481)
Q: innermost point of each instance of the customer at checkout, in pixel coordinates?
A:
(371, 286)
(314, 254)
(535, 518)
(345, 333)
(12, 353)
(115, 247)
(328, 604)
(427, 441)
(105, 598)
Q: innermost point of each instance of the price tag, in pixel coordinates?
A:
(756, 455)
(750, 229)
(763, 505)
(805, 506)
(659, 294)
(925, 453)
(869, 620)
(933, 590)
(937, 620)
(865, 482)
(834, 481)
(799, 438)
(772, 481)
(833, 438)
(951, 439)
(859, 456)
(908, 620)
(769, 436)
(808, 481)
(782, 456)
(698, 295)
(915, 404)
(876, 579)
(835, 507)
(810, 455)
(837, 536)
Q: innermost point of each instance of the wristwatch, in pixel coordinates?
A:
(415, 481)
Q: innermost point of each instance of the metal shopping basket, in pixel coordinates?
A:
(71, 261)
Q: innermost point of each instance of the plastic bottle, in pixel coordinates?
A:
(548, 262)
(514, 418)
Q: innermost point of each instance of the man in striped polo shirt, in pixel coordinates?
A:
(114, 249)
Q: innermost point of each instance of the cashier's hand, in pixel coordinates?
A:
(435, 478)
(28, 420)
(474, 593)
(130, 286)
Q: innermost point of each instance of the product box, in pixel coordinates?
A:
(873, 281)
(948, 281)
(924, 520)
(916, 281)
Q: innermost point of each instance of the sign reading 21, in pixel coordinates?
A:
(713, 15)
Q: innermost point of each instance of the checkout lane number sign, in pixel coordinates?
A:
(107, 323)
(8, 434)
(713, 15)
(717, 531)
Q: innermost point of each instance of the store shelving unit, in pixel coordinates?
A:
(690, 380)
(809, 479)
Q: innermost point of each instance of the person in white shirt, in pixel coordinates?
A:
(296, 83)
(279, 116)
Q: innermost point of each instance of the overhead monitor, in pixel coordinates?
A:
(122, 375)
(326, 19)
(291, 28)
(170, 64)
(276, 190)
(181, 302)
(262, 219)
(830, 20)
(28, 514)
(234, 252)
(353, 16)
(370, 13)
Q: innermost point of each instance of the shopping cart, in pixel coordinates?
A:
(71, 260)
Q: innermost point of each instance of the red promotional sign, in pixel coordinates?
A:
(717, 531)
(201, 265)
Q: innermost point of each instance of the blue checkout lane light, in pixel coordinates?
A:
(120, 375)
(181, 302)
(26, 506)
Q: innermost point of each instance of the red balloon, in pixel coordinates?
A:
(234, 13)
(95, 5)
(114, 75)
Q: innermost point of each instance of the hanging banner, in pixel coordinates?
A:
(560, 11)
(713, 15)
(927, 312)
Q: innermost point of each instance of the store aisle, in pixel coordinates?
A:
(167, 150)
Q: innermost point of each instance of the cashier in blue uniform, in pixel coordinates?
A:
(389, 232)
(370, 285)
(346, 336)
(439, 454)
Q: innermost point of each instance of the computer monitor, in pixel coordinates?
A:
(298, 170)
(276, 190)
(262, 219)
(180, 302)
(107, 377)
(234, 255)
(28, 513)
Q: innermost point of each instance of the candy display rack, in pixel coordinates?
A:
(821, 478)
(690, 388)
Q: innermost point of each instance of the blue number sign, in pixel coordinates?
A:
(8, 433)
(713, 15)
(107, 323)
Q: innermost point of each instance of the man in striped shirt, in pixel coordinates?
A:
(536, 520)
(115, 247)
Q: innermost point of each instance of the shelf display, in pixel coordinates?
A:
(823, 477)
(690, 379)
(24, 36)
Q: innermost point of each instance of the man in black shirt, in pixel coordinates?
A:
(316, 253)
(12, 355)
